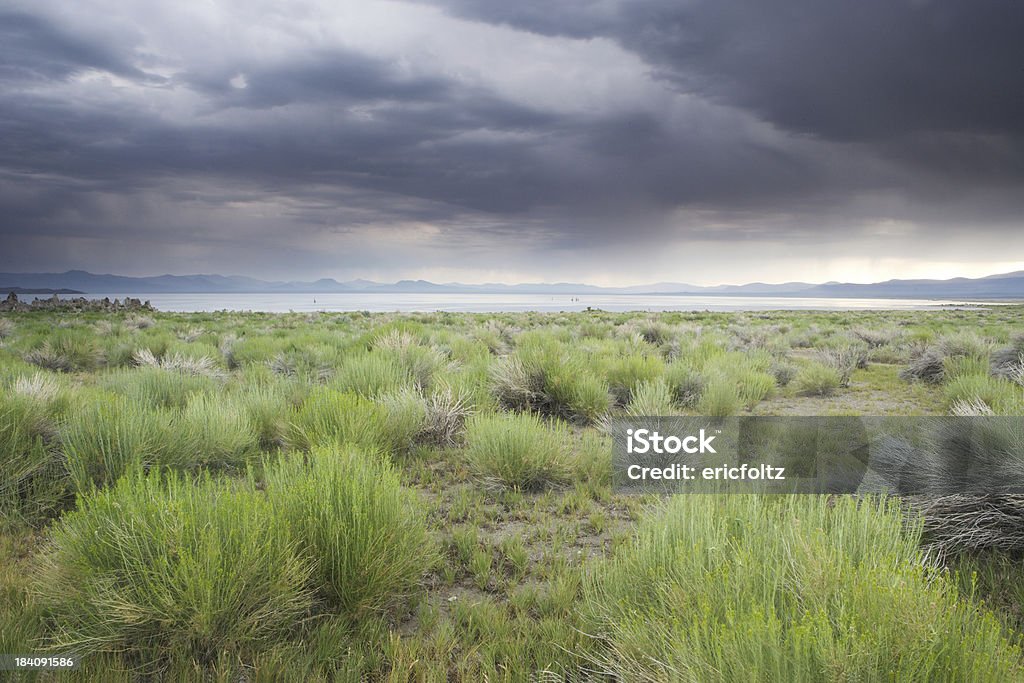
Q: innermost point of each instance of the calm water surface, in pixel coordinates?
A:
(491, 303)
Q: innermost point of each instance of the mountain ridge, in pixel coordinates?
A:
(998, 286)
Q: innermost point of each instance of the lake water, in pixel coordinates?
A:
(491, 303)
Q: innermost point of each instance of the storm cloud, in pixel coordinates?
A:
(615, 142)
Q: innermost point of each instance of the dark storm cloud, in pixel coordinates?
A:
(848, 70)
(589, 120)
(932, 85)
(34, 48)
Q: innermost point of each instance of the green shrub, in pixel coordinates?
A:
(1002, 396)
(685, 383)
(518, 451)
(156, 567)
(110, 437)
(362, 531)
(627, 373)
(329, 417)
(799, 588)
(549, 380)
(371, 375)
(958, 366)
(815, 379)
(66, 352)
(157, 387)
(651, 399)
(406, 412)
(32, 474)
(267, 407)
(720, 398)
(211, 432)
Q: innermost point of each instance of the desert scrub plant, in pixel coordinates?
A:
(157, 387)
(204, 366)
(161, 565)
(929, 365)
(835, 585)
(1001, 395)
(544, 381)
(267, 406)
(720, 397)
(210, 432)
(33, 480)
(651, 398)
(626, 373)
(364, 534)
(329, 417)
(876, 337)
(518, 451)
(370, 375)
(1008, 361)
(406, 412)
(66, 352)
(783, 371)
(817, 379)
(844, 360)
(685, 382)
(111, 436)
(447, 412)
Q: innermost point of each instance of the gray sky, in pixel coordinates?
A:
(607, 141)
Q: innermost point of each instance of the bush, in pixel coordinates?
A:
(798, 588)
(844, 360)
(364, 534)
(627, 373)
(406, 413)
(783, 372)
(211, 432)
(447, 412)
(180, 363)
(876, 338)
(157, 387)
(963, 474)
(32, 474)
(815, 379)
(110, 437)
(518, 451)
(66, 352)
(267, 407)
(159, 566)
(329, 417)
(1002, 396)
(651, 399)
(685, 383)
(542, 380)
(928, 366)
(931, 364)
(371, 375)
(1008, 362)
(721, 398)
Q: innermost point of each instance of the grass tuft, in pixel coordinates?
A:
(802, 588)
(363, 532)
(518, 451)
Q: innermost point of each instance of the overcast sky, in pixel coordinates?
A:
(607, 141)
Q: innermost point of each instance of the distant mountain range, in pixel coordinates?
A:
(1003, 286)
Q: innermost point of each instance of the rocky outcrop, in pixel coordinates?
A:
(76, 305)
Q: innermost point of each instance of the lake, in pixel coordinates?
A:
(492, 303)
